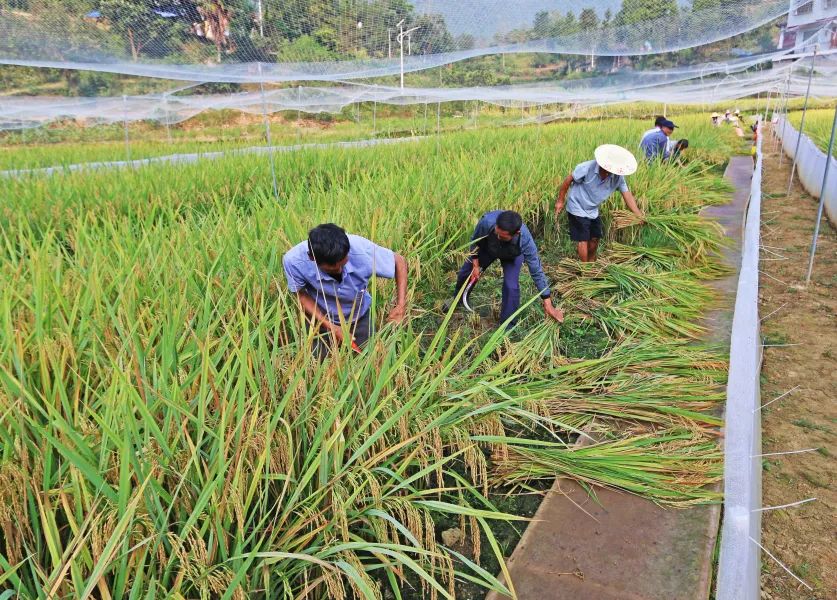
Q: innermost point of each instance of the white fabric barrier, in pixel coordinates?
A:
(739, 559)
(810, 165)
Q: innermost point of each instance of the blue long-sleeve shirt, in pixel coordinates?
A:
(655, 145)
(527, 247)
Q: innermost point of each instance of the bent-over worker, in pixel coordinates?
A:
(501, 235)
(587, 187)
(330, 274)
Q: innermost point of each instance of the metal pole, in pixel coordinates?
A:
(828, 160)
(299, 115)
(125, 126)
(401, 46)
(375, 113)
(261, 19)
(168, 125)
(269, 140)
(425, 118)
(802, 122)
(785, 115)
(766, 106)
(438, 117)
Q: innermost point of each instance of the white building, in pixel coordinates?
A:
(810, 22)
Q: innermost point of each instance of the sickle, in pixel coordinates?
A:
(473, 280)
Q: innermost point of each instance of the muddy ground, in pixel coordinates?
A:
(800, 355)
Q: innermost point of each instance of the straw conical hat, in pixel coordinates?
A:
(715, 115)
(615, 159)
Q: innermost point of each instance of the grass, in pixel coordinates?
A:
(165, 433)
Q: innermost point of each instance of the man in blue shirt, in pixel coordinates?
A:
(330, 274)
(501, 235)
(590, 184)
(657, 145)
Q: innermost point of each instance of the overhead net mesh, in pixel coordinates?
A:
(707, 83)
(303, 40)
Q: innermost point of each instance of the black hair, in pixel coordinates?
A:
(659, 121)
(328, 244)
(683, 144)
(509, 221)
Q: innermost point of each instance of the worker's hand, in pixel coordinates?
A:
(337, 332)
(397, 314)
(556, 314)
(559, 206)
(475, 269)
(641, 216)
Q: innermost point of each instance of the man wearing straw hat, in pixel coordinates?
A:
(587, 187)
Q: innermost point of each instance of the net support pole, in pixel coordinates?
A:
(766, 106)
(438, 118)
(125, 127)
(425, 118)
(802, 122)
(268, 136)
(828, 156)
(299, 114)
(785, 115)
(375, 113)
(168, 125)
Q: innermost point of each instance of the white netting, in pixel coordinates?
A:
(697, 84)
(304, 40)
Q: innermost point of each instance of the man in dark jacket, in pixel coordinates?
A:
(501, 235)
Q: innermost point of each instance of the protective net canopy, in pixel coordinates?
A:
(326, 40)
(697, 84)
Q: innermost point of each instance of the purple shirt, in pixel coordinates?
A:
(349, 296)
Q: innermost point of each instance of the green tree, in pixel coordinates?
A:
(542, 27)
(638, 11)
(138, 22)
(588, 19)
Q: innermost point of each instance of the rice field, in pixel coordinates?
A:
(817, 125)
(67, 143)
(165, 432)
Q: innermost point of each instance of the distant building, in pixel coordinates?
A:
(810, 22)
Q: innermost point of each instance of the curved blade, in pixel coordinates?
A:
(468, 289)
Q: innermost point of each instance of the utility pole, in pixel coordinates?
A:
(400, 40)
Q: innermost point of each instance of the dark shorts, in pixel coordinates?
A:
(583, 229)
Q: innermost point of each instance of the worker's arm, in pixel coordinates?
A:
(396, 315)
(562, 194)
(533, 261)
(312, 310)
(480, 231)
(630, 201)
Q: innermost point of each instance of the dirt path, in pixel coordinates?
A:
(803, 336)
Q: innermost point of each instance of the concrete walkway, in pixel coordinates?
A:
(197, 156)
(629, 548)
